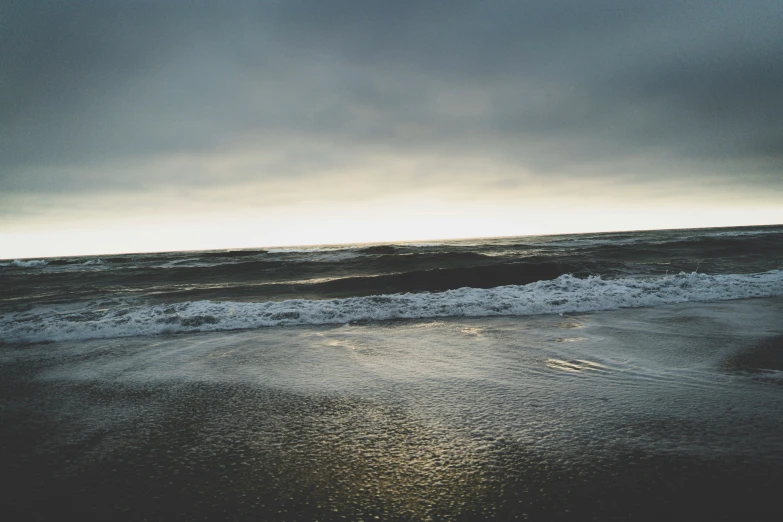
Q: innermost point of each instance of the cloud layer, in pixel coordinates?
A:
(145, 97)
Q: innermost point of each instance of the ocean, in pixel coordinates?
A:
(611, 376)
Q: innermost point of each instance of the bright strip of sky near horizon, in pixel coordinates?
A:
(129, 126)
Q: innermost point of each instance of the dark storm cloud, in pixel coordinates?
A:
(561, 86)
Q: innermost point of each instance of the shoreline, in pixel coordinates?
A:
(448, 419)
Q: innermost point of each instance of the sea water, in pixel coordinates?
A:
(607, 376)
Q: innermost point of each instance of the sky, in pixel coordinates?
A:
(149, 125)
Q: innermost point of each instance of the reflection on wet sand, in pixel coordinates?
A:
(461, 419)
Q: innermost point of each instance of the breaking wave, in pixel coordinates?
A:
(28, 263)
(565, 294)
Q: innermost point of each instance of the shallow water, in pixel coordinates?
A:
(655, 413)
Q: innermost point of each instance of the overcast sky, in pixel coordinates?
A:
(130, 125)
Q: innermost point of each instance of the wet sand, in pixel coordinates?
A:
(765, 356)
(648, 414)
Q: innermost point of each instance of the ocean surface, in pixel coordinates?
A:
(615, 376)
(144, 294)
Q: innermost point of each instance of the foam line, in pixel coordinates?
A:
(562, 295)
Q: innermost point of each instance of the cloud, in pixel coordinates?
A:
(139, 96)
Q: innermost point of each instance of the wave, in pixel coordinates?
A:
(741, 233)
(436, 245)
(427, 280)
(566, 294)
(440, 279)
(232, 253)
(28, 263)
(34, 263)
(300, 250)
(669, 238)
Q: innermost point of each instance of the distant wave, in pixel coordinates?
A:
(300, 250)
(565, 294)
(28, 263)
(741, 233)
(671, 239)
(34, 263)
(440, 279)
(232, 253)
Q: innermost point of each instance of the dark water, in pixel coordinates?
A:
(108, 296)
(326, 272)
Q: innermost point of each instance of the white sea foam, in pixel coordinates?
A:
(287, 250)
(579, 242)
(28, 263)
(562, 295)
(739, 233)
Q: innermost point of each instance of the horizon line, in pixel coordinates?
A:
(392, 242)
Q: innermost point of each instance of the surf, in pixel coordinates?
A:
(562, 295)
